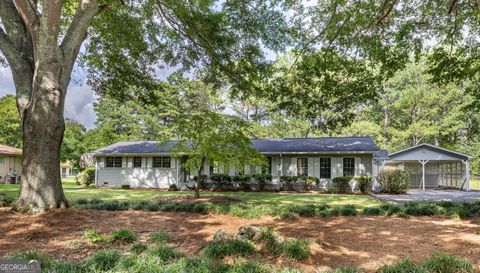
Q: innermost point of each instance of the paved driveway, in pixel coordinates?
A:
(432, 195)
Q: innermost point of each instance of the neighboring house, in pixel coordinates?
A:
(67, 170)
(10, 164)
(152, 165)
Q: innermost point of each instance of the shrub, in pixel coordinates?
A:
(288, 215)
(219, 179)
(348, 210)
(104, 260)
(43, 259)
(372, 211)
(297, 249)
(172, 187)
(86, 177)
(289, 181)
(6, 201)
(138, 248)
(403, 266)
(309, 181)
(271, 243)
(124, 235)
(159, 236)
(342, 183)
(391, 209)
(424, 209)
(364, 183)
(92, 236)
(393, 181)
(220, 249)
(201, 181)
(165, 253)
(243, 179)
(262, 179)
(448, 264)
(306, 210)
(125, 186)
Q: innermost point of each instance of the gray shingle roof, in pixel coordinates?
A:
(381, 155)
(277, 145)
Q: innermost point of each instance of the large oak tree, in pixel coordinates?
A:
(128, 42)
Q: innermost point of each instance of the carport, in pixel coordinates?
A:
(433, 167)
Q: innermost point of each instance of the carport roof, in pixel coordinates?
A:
(427, 152)
(272, 145)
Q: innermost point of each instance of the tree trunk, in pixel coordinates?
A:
(43, 127)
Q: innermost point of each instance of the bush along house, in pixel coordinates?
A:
(291, 162)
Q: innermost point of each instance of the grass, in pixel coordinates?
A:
(297, 249)
(75, 192)
(159, 237)
(221, 249)
(123, 235)
(167, 259)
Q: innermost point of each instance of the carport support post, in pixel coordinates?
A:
(423, 162)
(467, 174)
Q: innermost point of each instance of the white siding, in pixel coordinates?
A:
(146, 176)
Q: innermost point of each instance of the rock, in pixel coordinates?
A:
(249, 232)
(279, 239)
(221, 235)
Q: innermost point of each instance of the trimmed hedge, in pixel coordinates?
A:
(342, 183)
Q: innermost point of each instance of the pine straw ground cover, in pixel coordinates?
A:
(361, 241)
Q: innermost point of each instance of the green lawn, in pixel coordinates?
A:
(73, 192)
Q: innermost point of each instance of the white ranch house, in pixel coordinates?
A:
(149, 164)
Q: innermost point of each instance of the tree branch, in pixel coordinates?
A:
(28, 11)
(77, 31)
(16, 45)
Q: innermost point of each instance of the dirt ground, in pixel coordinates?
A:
(362, 241)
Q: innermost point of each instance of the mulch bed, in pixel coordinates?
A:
(362, 241)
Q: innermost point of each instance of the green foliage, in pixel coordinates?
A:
(297, 249)
(270, 243)
(10, 126)
(391, 209)
(393, 181)
(219, 179)
(342, 183)
(123, 235)
(243, 179)
(6, 201)
(373, 211)
(159, 237)
(201, 180)
(138, 248)
(262, 179)
(221, 249)
(448, 264)
(348, 210)
(439, 262)
(91, 235)
(104, 260)
(289, 181)
(364, 183)
(402, 266)
(86, 177)
(73, 144)
(165, 253)
(309, 181)
(42, 258)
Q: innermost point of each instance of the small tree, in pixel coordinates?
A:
(205, 134)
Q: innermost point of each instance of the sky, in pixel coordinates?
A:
(79, 101)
